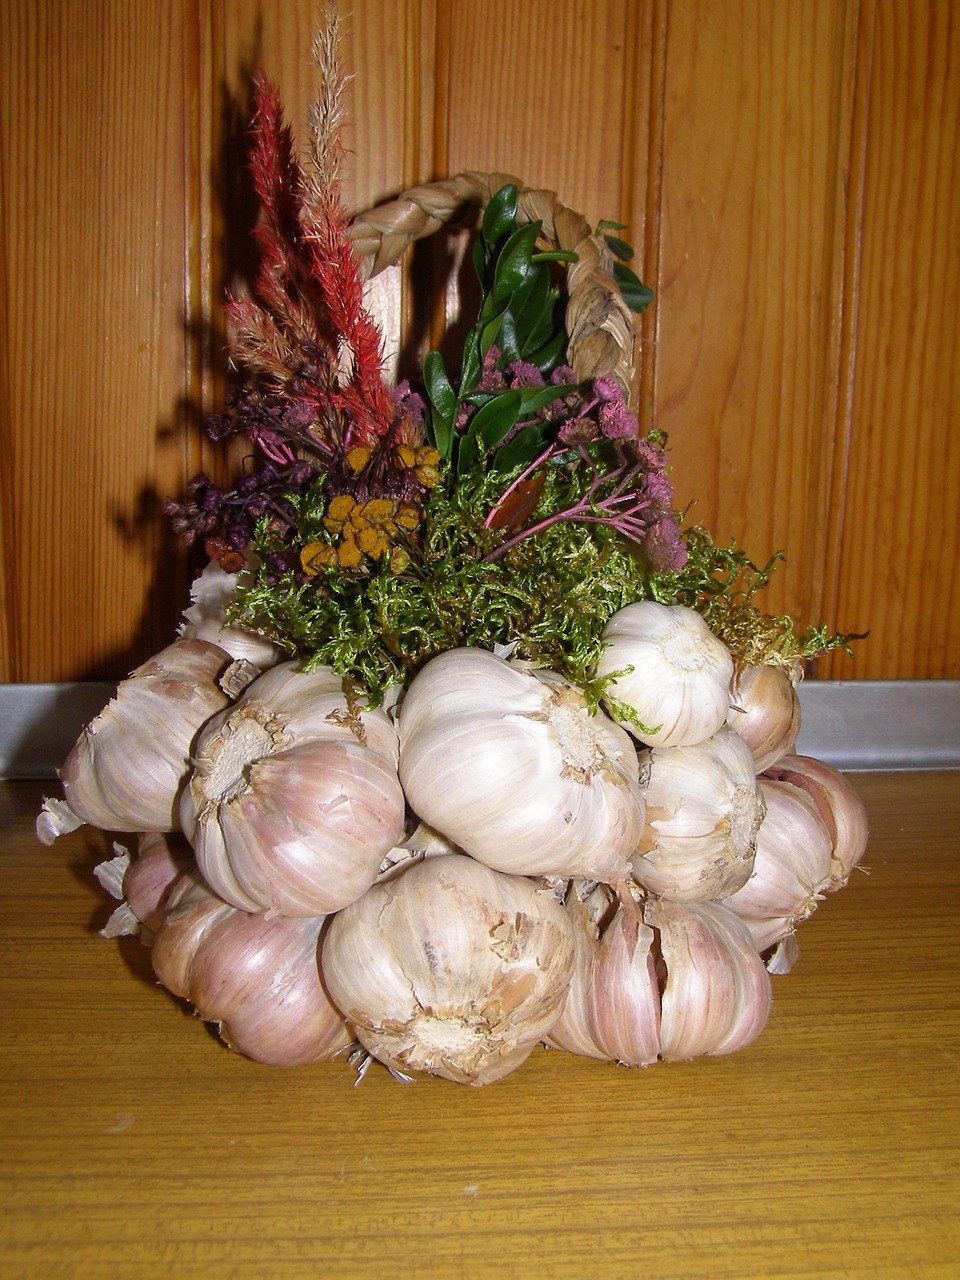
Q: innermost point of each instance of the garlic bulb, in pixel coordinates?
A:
(704, 809)
(661, 979)
(792, 868)
(839, 806)
(128, 767)
(145, 883)
(294, 798)
(717, 993)
(451, 968)
(510, 764)
(204, 619)
(675, 674)
(257, 977)
(766, 713)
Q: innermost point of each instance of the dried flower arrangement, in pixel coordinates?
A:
(461, 707)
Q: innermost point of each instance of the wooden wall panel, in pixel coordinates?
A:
(756, 123)
(895, 554)
(92, 140)
(788, 173)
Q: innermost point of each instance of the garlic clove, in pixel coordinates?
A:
(792, 868)
(669, 675)
(129, 766)
(513, 766)
(703, 812)
(256, 977)
(623, 1000)
(716, 995)
(840, 807)
(571, 1032)
(450, 968)
(294, 799)
(765, 712)
(144, 883)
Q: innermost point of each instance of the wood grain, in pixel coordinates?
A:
(133, 1143)
(788, 173)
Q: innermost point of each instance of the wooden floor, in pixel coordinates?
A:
(134, 1145)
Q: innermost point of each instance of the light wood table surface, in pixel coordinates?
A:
(134, 1145)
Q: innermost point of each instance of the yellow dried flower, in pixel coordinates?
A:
(408, 517)
(399, 559)
(372, 543)
(378, 510)
(315, 557)
(349, 554)
(406, 456)
(428, 456)
(428, 475)
(358, 457)
(338, 509)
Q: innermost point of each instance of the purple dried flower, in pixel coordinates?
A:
(616, 420)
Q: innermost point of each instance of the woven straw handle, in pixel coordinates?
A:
(602, 339)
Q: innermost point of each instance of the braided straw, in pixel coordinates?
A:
(602, 339)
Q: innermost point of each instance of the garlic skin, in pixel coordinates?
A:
(717, 993)
(509, 763)
(294, 799)
(766, 713)
(703, 812)
(204, 619)
(258, 978)
(144, 883)
(129, 765)
(792, 869)
(450, 968)
(840, 807)
(679, 685)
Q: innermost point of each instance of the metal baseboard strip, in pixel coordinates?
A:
(855, 725)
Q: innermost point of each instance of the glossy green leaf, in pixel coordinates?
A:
(443, 400)
(515, 263)
(500, 214)
(636, 295)
(619, 248)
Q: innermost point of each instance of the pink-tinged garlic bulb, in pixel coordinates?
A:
(716, 995)
(792, 869)
(144, 883)
(511, 765)
(204, 619)
(659, 979)
(672, 674)
(703, 812)
(612, 1009)
(450, 968)
(257, 977)
(294, 798)
(840, 808)
(129, 766)
(765, 712)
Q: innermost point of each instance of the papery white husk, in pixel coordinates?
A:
(130, 763)
(450, 968)
(676, 673)
(144, 883)
(840, 807)
(765, 712)
(792, 868)
(703, 811)
(204, 619)
(294, 799)
(257, 977)
(510, 764)
(717, 993)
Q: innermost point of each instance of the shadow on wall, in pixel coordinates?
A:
(39, 723)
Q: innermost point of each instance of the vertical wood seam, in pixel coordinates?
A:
(653, 210)
(10, 657)
(848, 317)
